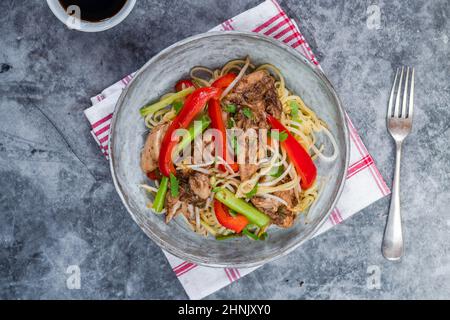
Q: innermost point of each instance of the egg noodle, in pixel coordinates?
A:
(302, 123)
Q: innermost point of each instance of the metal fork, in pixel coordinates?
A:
(399, 123)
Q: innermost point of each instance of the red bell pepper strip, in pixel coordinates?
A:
(215, 113)
(183, 84)
(302, 161)
(236, 224)
(224, 81)
(192, 107)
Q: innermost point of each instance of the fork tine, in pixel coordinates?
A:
(411, 95)
(405, 94)
(391, 98)
(397, 99)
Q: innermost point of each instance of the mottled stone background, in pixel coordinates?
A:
(58, 206)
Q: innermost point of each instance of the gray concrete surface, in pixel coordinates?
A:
(58, 206)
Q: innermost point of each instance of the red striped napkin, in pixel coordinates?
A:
(364, 183)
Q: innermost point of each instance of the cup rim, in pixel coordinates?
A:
(87, 26)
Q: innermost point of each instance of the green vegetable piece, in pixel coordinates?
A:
(247, 112)
(263, 236)
(230, 236)
(231, 123)
(193, 132)
(283, 136)
(279, 171)
(177, 105)
(152, 108)
(252, 192)
(231, 108)
(294, 109)
(250, 234)
(242, 207)
(232, 212)
(160, 197)
(174, 186)
(280, 136)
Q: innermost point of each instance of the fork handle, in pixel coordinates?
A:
(392, 247)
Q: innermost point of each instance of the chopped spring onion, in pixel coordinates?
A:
(283, 136)
(232, 213)
(231, 201)
(263, 236)
(231, 108)
(294, 109)
(231, 123)
(160, 197)
(152, 108)
(249, 234)
(254, 233)
(230, 236)
(174, 186)
(246, 111)
(280, 136)
(177, 105)
(277, 172)
(252, 192)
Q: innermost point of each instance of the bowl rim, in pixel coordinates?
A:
(286, 250)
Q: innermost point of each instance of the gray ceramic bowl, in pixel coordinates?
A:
(157, 77)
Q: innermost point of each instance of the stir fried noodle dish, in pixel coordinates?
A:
(231, 151)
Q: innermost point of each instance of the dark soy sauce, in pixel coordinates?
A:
(95, 10)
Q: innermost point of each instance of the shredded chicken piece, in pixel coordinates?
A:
(267, 205)
(174, 206)
(284, 218)
(199, 185)
(246, 170)
(257, 92)
(288, 196)
(280, 214)
(150, 153)
(194, 189)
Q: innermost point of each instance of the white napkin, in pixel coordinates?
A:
(364, 184)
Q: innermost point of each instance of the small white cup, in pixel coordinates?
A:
(73, 20)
